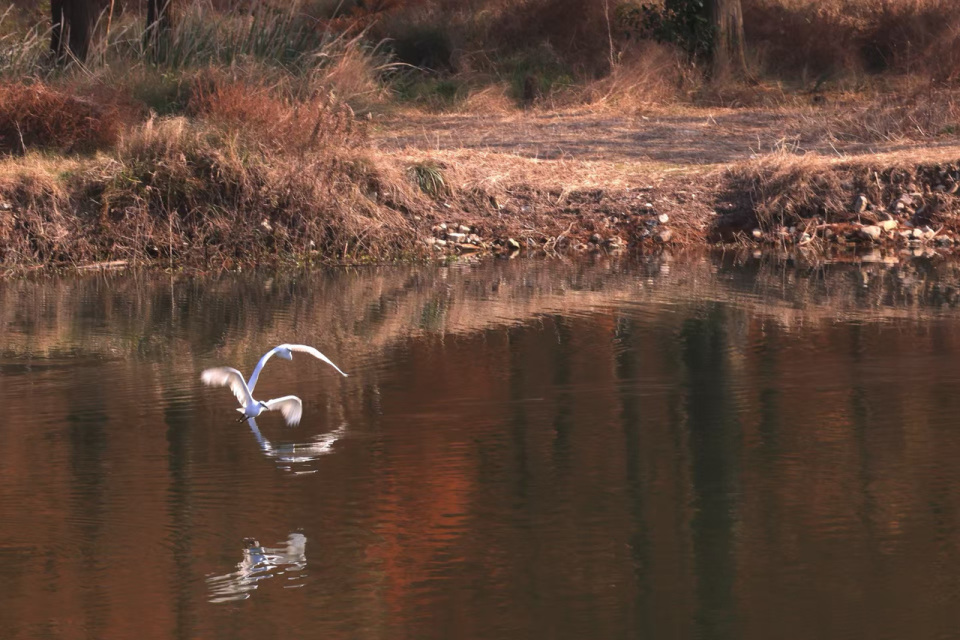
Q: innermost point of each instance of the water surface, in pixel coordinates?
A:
(693, 448)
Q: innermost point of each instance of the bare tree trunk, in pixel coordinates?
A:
(159, 23)
(56, 30)
(728, 52)
(76, 17)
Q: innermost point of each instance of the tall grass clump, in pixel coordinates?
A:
(319, 124)
(203, 37)
(230, 190)
(23, 49)
(429, 177)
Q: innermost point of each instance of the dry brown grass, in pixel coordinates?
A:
(44, 226)
(180, 191)
(319, 123)
(783, 190)
(916, 115)
(36, 116)
(787, 190)
(778, 166)
(645, 74)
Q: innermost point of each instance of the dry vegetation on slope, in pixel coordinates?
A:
(265, 133)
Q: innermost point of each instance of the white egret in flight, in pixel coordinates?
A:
(290, 406)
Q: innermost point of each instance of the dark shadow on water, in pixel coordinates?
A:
(714, 434)
(179, 458)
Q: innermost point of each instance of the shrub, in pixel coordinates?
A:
(316, 124)
(40, 117)
(429, 177)
(575, 29)
(685, 23)
(425, 47)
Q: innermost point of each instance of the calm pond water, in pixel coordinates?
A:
(665, 449)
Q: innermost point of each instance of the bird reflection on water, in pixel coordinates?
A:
(260, 563)
(297, 456)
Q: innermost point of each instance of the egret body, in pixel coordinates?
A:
(290, 406)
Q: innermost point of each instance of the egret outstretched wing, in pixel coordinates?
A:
(256, 371)
(287, 348)
(289, 406)
(227, 377)
(316, 354)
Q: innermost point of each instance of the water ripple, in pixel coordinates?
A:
(258, 564)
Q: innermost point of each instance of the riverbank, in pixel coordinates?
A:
(786, 176)
(412, 185)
